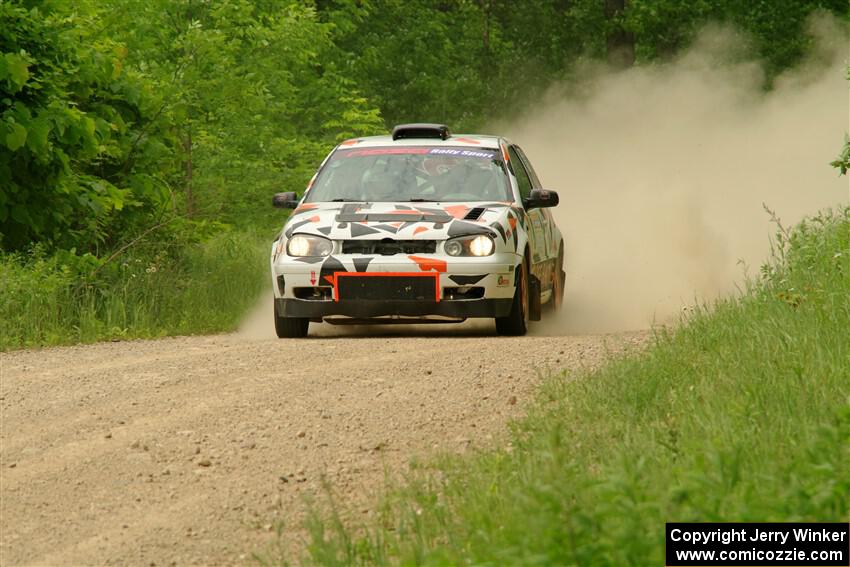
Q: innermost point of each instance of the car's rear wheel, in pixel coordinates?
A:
(516, 323)
(290, 327)
(558, 283)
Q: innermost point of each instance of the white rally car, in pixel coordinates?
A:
(420, 226)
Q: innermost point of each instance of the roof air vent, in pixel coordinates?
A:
(440, 131)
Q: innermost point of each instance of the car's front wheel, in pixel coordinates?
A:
(516, 323)
(290, 327)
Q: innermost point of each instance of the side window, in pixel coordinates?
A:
(521, 175)
(535, 181)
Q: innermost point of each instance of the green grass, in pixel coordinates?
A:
(163, 289)
(741, 414)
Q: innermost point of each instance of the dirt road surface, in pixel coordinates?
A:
(188, 450)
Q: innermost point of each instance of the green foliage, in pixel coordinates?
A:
(842, 164)
(461, 62)
(157, 289)
(778, 31)
(71, 118)
(253, 92)
(741, 414)
(114, 114)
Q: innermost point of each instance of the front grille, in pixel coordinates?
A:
(387, 288)
(388, 247)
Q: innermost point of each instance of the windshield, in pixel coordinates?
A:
(412, 174)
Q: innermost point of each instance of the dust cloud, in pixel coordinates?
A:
(662, 172)
(258, 324)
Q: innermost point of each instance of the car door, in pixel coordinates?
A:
(536, 221)
(547, 244)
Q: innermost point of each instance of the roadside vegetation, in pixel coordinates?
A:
(176, 289)
(141, 135)
(741, 413)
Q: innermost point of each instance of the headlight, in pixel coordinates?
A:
(306, 245)
(480, 245)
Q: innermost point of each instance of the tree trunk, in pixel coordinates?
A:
(621, 43)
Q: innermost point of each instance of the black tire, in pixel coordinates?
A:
(290, 327)
(558, 284)
(516, 323)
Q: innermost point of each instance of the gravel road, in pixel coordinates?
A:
(188, 450)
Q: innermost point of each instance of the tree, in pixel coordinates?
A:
(777, 29)
(79, 144)
(256, 95)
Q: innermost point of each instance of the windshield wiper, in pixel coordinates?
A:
(340, 200)
(421, 200)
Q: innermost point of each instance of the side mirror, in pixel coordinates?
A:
(540, 198)
(287, 200)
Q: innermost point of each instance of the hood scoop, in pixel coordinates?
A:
(474, 214)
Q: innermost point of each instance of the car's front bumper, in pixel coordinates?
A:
(360, 309)
(492, 277)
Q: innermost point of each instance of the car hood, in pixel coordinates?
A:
(405, 221)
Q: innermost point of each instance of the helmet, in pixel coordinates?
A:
(380, 185)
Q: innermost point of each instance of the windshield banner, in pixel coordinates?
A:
(450, 152)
